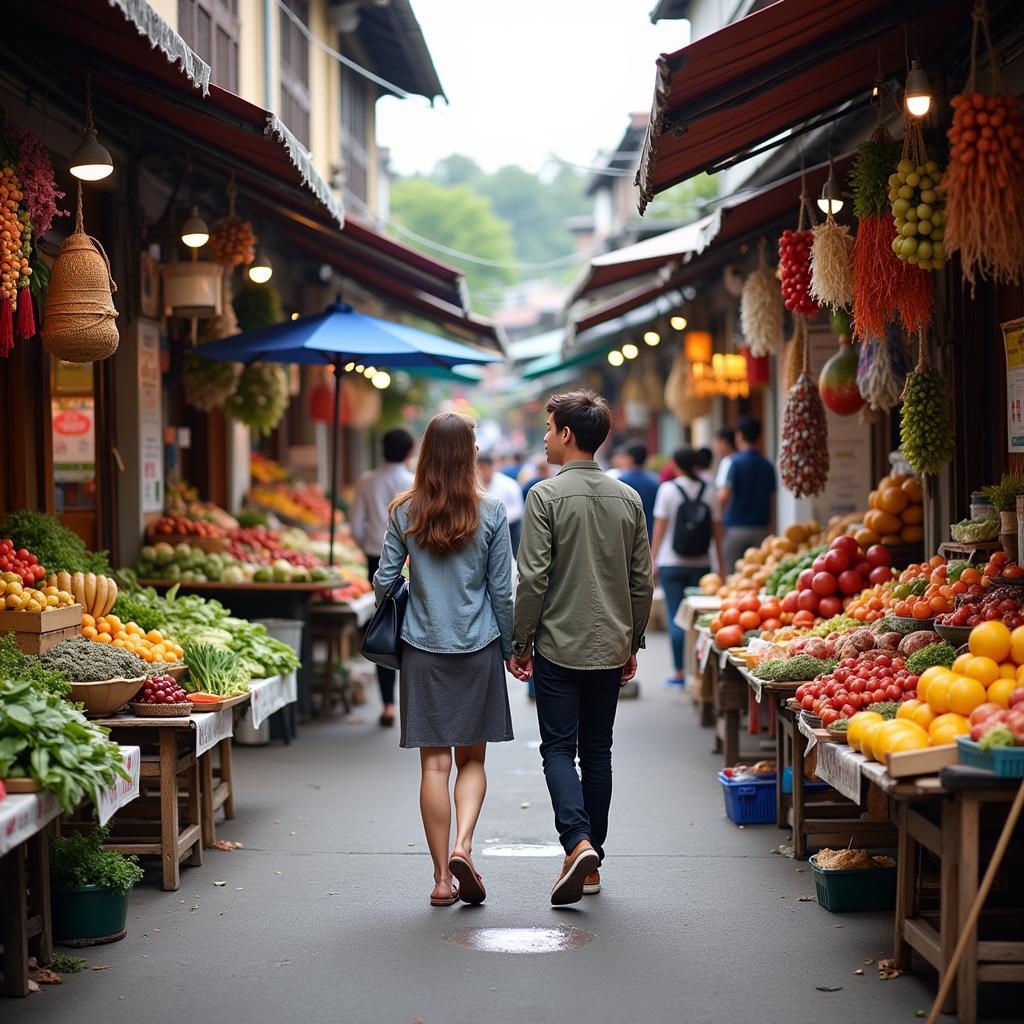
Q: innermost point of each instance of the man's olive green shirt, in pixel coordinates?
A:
(585, 586)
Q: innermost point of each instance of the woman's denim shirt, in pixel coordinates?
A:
(460, 602)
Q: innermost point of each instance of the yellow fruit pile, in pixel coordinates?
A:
(895, 513)
(16, 597)
(151, 647)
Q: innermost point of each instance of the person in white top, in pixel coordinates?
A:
(501, 486)
(725, 448)
(674, 571)
(368, 519)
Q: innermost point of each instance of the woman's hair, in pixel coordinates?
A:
(443, 504)
(688, 461)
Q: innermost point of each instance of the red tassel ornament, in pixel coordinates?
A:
(6, 327)
(25, 322)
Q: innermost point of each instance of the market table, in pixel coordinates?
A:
(697, 643)
(731, 699)
(268, 696)
(25, 870)
(340, 625)
(177, 749)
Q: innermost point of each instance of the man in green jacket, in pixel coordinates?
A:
(582, 606)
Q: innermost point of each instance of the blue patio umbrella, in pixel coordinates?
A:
(338, 336)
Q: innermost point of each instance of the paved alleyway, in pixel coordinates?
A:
(324, 916)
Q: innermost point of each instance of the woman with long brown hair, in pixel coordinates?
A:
(457, 638)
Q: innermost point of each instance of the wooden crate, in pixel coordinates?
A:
(37, 632)
(40, 643)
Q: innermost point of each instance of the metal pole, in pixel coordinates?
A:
(335, 430)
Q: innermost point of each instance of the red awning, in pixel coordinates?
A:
(777, 68)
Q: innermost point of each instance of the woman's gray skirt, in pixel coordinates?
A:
(453, 700)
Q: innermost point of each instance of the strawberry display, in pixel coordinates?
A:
(1000, 601)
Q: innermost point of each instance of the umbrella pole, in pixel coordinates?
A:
(335, 430)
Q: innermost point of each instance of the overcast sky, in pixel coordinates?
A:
(527, 79)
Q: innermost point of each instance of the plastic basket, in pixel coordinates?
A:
(787, 781)
(749, 801)
(857, 889)
(1006, 762)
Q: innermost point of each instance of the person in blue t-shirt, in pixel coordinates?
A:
(644, 482)
(748, 496)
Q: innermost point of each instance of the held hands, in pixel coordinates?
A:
(628, 670)
(521, 668)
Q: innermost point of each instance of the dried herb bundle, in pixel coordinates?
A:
(761, 312)
(832, 264)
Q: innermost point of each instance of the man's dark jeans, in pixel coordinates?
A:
(576, 711)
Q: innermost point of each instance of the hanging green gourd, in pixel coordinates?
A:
(208, 383)
(761, 311)
(260, 398)
(926, 428)
(837, 381)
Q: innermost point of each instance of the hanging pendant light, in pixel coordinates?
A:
(616, 358)
(630, 351)
(652, 338)
(261, 271)
(917, 97)
(678, 323)
(90, 161)
(194, 232)
(831, 198)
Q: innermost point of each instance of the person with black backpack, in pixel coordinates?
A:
(687, 522)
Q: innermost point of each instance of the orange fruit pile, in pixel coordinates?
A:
(150, 647)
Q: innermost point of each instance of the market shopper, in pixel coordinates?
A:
(682, 549)
(724, 446)
(641, 479)
(582, 605)
(503, 487)
(457, 635)
(368, 521)
(748, 496)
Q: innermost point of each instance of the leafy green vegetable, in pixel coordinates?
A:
(934, 654)
(15, 665)
(128, 608)
(79, 859)
(799, 668)
(214, 670)
(886, 708)
(837, 624)
(56, 547)
(783, 577)
(44, 738)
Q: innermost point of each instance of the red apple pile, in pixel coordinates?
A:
(837, 576)
(21, 562)
(857, 683)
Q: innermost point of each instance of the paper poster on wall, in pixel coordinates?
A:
(74, 440)
(1013, 340)
(151, 430)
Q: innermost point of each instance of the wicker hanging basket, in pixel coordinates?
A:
(79, 320)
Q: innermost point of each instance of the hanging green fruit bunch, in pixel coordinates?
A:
(208, 383)
(926, 429)
(918, 207)
(260, 397)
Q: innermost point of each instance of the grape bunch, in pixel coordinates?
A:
(919, 213)
(795, 271)
(926, 428)
(162, 690)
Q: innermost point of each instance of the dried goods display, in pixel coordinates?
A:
(761, 311)
(232, 239)
(803, 456)
(926, 427)
(795, 271)
(918, 207)
(832, 264)
(882, 370)
(794, 358)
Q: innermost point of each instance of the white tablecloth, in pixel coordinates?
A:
(123, 791)
(270, 695)
(211, 727)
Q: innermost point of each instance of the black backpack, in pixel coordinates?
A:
(691, 535)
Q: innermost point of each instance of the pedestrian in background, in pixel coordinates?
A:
(748, 496)
(537, 469)
(368, 521)
(500, 485)
(724, 444)
(457, 636)
(582, 605)
(705, 458)
(637, 476)
(514, 464)
(682, 549)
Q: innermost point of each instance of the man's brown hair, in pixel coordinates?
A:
(586, 414)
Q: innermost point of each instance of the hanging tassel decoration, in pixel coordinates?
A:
(6, 327)
(832, 264)
(25, 323)
(761, 310)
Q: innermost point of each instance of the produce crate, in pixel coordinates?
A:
(809, 785)
(37, 632)
(1006, 762)
(749, 801)
(857, 889)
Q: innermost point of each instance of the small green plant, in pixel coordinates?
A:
(64, 964)
(81, 860)
(1003, 495)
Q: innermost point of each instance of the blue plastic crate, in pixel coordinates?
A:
(1006, 762)
(787, 781)
(749, 801)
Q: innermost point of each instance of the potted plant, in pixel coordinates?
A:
(1003, 496)
(91, 887)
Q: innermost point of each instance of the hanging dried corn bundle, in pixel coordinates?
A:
(984, 182)
(882, 370)
(832, 264)
(795, 354)
(926, 427)
(761, 310)
(803, 453)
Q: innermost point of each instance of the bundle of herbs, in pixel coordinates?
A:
(15, 665)
(215, 671)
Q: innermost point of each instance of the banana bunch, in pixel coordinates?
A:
(96, 594)
(926, 429)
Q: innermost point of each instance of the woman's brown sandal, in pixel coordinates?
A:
(446, 901)
(471, 885)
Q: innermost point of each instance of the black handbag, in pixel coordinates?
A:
(382, 641)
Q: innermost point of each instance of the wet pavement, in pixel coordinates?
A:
(323, 916)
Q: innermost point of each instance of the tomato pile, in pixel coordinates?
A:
(261, 546)
(870, 678)
(999, 602)
(21, 562)
(738, 615)
(834, 577)
(1000, 567)
(926, 590)
(183, 526)
(795, 271)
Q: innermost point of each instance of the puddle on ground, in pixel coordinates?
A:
(521, 940)
(524, 850)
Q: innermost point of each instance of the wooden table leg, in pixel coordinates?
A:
(195, 810)
(14, 921)
(732, 737)
(780, 763)
(906, 866)
(169, 809)
(227, 776)
(949, 884)
(206, 788)
(799, 838)
(967, 871)
(39, 875)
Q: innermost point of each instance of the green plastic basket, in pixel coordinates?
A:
(856, 889)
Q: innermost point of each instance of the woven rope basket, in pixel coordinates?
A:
(79, 322)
